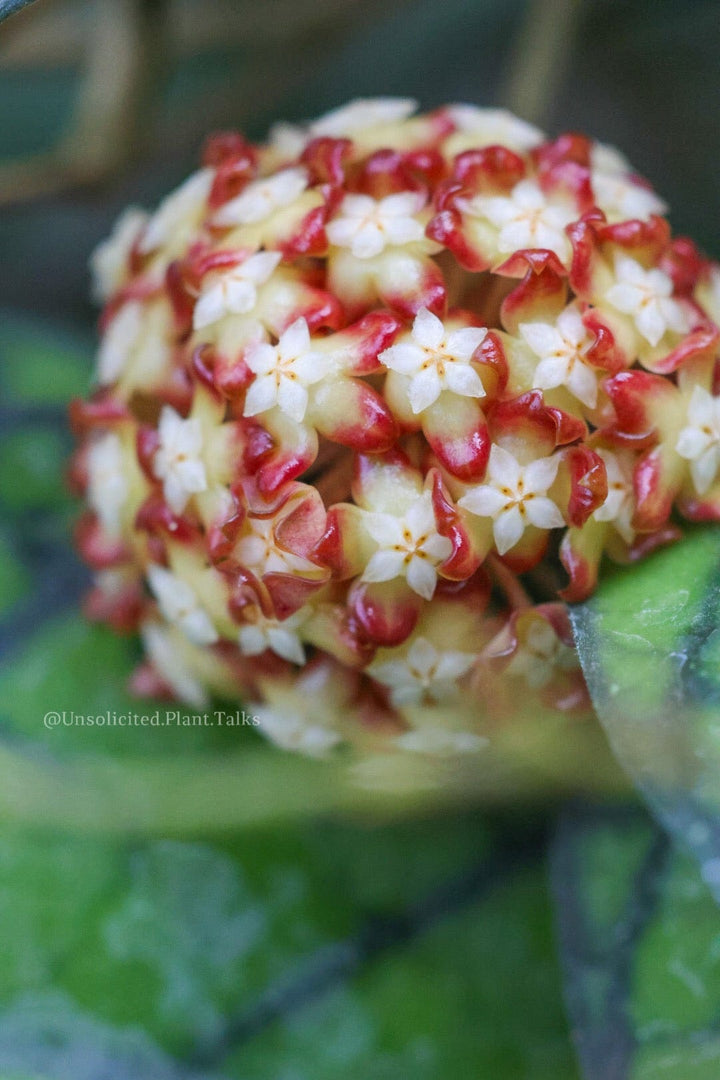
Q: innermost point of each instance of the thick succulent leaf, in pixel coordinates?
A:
(420, 949)
(638, 934)
(489, 1006)
(649, 642)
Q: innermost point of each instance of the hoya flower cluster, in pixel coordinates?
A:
(372, 401)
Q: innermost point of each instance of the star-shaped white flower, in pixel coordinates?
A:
(617, 192)
(107, 485)
(177, 461)
(623, 198)
(118, 342)
(281, 637)
(525, 219)
(164, 656)
(362, 113)
(263, 198)
(287, 140)
(283, 373)
(424, 673)
(619, 506)
(235, 291)
(495, 127)
(259, 551)
(540, 655)
(646, 295)
(515, 496)
(699, 441)
(292, 731)
(436, 360)
(408, 546)
(710, 293)
(561, 349)
(608, 159)
(180, 605)
(367, 226)
(440, 741)
(108, 262)
(182, 205)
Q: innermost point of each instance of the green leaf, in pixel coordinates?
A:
(639, 930)
(323, 950)
(41, 363)
(34, 462)
(488, 1006)
(14, 577)
(649, 642)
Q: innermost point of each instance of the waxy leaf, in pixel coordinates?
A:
(649, 642)
(422, 949)
(638, 935)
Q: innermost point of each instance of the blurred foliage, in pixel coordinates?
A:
(319, 951)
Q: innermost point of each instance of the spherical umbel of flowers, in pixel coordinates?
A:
(373, 400)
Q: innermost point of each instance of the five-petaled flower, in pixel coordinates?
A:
(108, 486)
(619, 505)
(179, 214)
(561, 350)
(435, 359)
(515, 496)
(260, 550)
(180, 604)
(121, 337)
(362, 113)
(539, 654)
(646, 295)
(525, 218)
(234, 292)
(109, 261)
(178, 459)
(409, 546)
(424, 672)
(283, 373)
(262, 198)
(491, 127)
(623, 199)
(699, 441)
(260, 633)
(367, 226)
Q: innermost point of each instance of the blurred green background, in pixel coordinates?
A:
(305, 948)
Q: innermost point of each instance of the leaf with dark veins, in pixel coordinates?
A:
(649, 643)
(638, 935)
